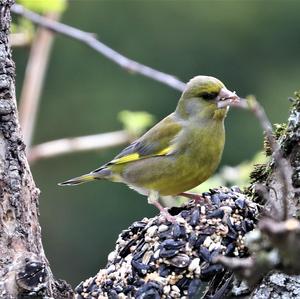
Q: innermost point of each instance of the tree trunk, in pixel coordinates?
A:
(24, 268)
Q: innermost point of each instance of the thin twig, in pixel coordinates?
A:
(34, 79)
(89, 39)
(77, 144)
(284, 170)
(20, 39)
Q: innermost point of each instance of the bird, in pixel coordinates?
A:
(177, 154)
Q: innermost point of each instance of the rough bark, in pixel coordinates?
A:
(24, 269)
(278, 285)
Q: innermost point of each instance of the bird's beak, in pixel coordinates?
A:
(226, 97)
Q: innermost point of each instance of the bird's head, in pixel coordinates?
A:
(202, 96)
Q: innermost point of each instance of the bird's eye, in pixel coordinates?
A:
(208, 95)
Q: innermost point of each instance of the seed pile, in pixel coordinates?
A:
(156, 259)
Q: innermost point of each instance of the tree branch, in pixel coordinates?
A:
(89, 39)
(78, 144)
(34, 79)
(20, 39)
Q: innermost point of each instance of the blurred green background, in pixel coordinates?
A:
(252, 46)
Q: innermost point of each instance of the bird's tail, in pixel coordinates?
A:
(80, 179)
(98, 174)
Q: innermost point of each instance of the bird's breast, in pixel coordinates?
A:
(202, 143)
(199, 154)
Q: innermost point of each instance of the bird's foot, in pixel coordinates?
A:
(169, 217)
(153, 200)
(194, 196)
(164, 212)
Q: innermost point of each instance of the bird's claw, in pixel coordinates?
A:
(168, 216)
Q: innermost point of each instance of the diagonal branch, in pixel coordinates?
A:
(90, 40)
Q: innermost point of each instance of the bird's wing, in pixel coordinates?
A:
(156, 142)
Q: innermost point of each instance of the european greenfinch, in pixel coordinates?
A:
(177, 154)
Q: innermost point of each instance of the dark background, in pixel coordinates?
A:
(252, 46)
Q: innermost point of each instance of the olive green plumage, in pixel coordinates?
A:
(178, 153)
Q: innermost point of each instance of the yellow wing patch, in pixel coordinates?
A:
(136, 156)
(125, 159)
(165, 151)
